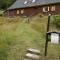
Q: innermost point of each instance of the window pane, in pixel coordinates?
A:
(17, 11)
(53, 8)
(22, 11)
(45, 9)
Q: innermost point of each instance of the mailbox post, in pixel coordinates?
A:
(54, 37)
(46, 44)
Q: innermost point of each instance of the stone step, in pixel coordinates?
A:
(27, 59)
(34, 51)
(32, 56)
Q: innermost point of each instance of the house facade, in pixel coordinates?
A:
(33, 7)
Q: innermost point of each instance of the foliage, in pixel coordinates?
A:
(1, 13)
(56, 21)
(4, 4)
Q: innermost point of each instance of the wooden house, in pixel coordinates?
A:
(33, 7)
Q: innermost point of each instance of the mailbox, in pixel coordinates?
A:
(54, 37)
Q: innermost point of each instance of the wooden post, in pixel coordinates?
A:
(46, 44)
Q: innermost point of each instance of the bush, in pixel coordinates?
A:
(56, 21)
(1, 13)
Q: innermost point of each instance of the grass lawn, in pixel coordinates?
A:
(16, 36)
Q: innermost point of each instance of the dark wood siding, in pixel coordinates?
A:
(34, 10)
(57, 10)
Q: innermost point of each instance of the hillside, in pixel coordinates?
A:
(16, 36)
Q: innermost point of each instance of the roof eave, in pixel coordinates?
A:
(34, 6)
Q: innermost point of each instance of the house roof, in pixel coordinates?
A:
(29, 3)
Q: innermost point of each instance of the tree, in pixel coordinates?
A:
(4, 4)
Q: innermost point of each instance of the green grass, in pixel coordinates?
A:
(16, 36)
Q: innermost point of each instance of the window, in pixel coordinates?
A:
(17, 11)
(45, 9)
(33, 1)
(22, 11)
(25, 2)
(53, 8)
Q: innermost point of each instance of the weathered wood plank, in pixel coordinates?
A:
(27, 59)
(32, 56)
(33, 51)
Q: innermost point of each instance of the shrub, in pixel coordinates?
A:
(56, 21)
(1, 13)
